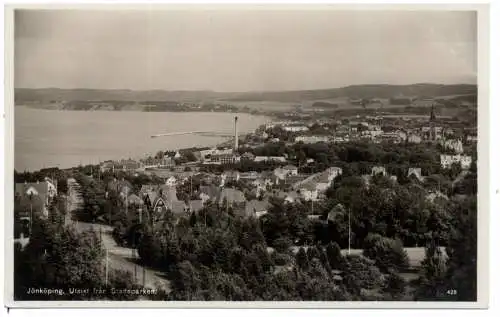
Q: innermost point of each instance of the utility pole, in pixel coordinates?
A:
(349, 250)
(135, 260)
(31, 217)
(106, 267)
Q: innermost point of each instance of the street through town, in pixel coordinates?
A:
(119, 258)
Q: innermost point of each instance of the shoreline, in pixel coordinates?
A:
(33, 152)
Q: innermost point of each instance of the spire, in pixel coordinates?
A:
(433, 115)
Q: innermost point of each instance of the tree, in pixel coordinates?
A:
(431, 284)
(395, 286)
(282, 244)
(334, 255)
(462, 251)
(302, 259)
(185, 281)
(387, 253)
(361, 275)
(150, 250)
(59, 258)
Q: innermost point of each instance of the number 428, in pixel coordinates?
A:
(451, 292)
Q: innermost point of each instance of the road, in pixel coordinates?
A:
(119, 258)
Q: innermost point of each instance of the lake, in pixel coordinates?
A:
(55, 138)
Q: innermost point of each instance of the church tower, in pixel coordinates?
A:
(432, 128)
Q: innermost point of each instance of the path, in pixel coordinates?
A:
(120, 258)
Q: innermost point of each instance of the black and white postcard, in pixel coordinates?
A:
(246, 156)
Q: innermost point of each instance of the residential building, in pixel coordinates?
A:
(121, 187)
(311, 139)
(209, 192)
(35, 196)
(286, 171)
(247, 156)
(431, 197)
(472, 138)
(414, 138)
(371, 133)
(129, 165)
(288, 197)
(195, 205)
(159, 206)
(107, 166)
(229, 176)
(270, 159)
(256, 208)
(171, 181)
(280, 173)
(454, 145)
(447, 161)
(231, 196)
(264, 183)
(134, 200)
(178, 208)
(333, 172)
(308, 192)
(298, 128)
(417, 172)
(249, 175)
(376, 170)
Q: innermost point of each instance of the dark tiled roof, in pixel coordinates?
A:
(134, 199)
(119, 185)
(253, 206)
(41, 188)
(232, 196)
(212, 191)
(195, 205)
(177, 207)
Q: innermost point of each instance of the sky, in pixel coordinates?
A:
(238, 50)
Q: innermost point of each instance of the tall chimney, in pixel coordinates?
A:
(235, 134)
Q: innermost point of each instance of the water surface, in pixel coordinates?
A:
(50, 138)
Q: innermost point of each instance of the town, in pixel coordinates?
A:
(307, 191)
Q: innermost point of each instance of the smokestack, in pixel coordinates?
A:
(235, 134)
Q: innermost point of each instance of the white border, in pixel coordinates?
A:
(483, 168)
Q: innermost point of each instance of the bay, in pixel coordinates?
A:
(58, 138)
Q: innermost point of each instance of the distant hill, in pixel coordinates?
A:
(48, 95)
(56, 95)
(360, 91)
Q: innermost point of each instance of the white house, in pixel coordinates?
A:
(378, 170)
(472, 138)
(311, 139)
(280, 173)
(228, 176)
(447, 161)
(413, 138)
(270, 159)
(171, 181)
(309, 193)
(299, 128)
(455, 145)
(38, 194)
(333, 172)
